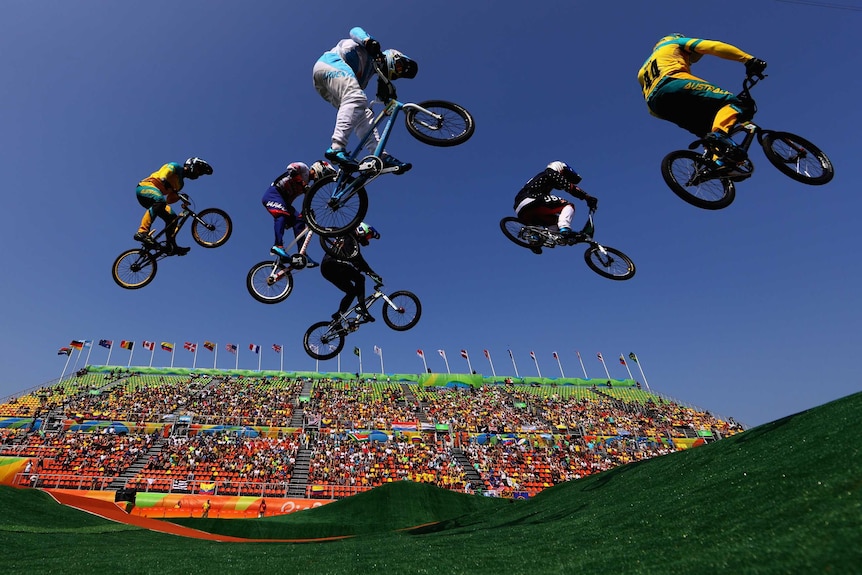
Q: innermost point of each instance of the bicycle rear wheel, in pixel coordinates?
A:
(686, 174)
(454, 126)
(797, 158)
(134, 269)
(519, 233)
(215, 229)
(340, 247)
(321, 341)
(609, 262)
(408, 313)
(268, 286)
(329, 216)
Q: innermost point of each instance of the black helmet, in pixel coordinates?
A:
(196, 167)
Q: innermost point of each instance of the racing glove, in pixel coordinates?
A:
(755, 67)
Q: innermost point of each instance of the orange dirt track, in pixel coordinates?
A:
(112, 512)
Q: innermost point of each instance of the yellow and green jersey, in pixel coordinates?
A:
(168, 179)
(672, 57)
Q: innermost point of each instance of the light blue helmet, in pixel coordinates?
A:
(399, 65)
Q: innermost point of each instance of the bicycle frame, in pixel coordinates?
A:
(372, 166)
(351, 316)
(295, 261)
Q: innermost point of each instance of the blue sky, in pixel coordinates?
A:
(751, 312)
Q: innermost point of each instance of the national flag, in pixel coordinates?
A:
(276, 348)
(231, 347)
(464, 353)
(487, 355)
(378, 351)
(356, 351)
(442, 353)
(125, 344)
(149, 345)
(77, 344)
(420, 353)
(207, 488)
(88, 343)
(254, 347)
(169, 347)
(404, 425)
(106, 343)
(180, 484)
(556, 356)
(622, 361)
(64, 351)
(192, 347)
(601, 359)
(209, 345)
(633, 357)
(533, 355)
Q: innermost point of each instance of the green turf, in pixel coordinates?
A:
(785, 497)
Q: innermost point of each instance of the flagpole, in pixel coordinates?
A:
(281, 359)
(602, 359)
(381, 360)
(623, 361)
(195, 358)
(215, 354)
(637, 361)
(467, 357)
(131, 353)
(259, 356)
(236, 363)
(360, 360)
(513, 363)
(536, 361)
(172, 354)
(582, 365)
(443, 355)
(152, 353)
(110, 349)
(78, 357)
(488, 356)
(560, 365)
(66, 365)
(424, 363)
(338, 368)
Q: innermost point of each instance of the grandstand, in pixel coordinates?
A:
(177, 436)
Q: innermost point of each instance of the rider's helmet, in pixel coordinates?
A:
(196, 167)
(321, 169)
(566, 171)
(398, 65)
(364, 233)
(298, 170)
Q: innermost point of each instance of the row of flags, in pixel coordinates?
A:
(233, 348)
(80, 345)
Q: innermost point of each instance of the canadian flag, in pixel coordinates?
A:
(149, 345)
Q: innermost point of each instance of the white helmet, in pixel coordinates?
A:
(299, 168)
(566, 171)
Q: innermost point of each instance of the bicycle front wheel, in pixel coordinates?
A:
(212, 228)
(797, 158)
(406, 312)
(686, 174)
(451, 125)
(609, 262)
(519, 233)
(134, 269)
(340, 247)
(321, 341)
(331, 216)
(267, 284)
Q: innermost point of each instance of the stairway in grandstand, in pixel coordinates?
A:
(297, 418)
(470, 472)
(421, 407)
(137, 466)
(299, 475)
